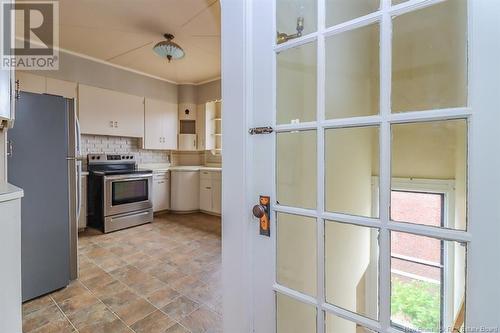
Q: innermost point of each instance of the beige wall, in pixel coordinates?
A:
(296, 256)
(296, 84)
(296, 165)
(352, 73)
(432, 75)
(187, 93)
(209, 91)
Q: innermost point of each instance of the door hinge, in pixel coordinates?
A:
(17, 93)
(261, 130)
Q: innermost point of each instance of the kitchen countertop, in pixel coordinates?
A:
(10, 192)
(164, 167)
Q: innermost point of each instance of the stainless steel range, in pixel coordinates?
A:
(119, 194)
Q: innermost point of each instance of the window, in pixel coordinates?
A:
(417, 263)
(427, 274)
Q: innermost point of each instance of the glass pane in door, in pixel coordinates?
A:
(296, 253)
(351, 267)
(351, 164)
(338, 11)
(296, 85)
(293, 316)
(296, 169)
(429, 58)
(352, 73)
(431, 154)
(334, 324)
(428, 282)
(293, 16)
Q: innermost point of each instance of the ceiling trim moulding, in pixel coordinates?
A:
(104, 62)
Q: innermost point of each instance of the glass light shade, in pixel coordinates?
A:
(168, 49)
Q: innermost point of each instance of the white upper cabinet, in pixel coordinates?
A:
(45, 85)
(31, 83)
(161, 120)
(107, 112)
(61, 88)
(187, 142)
(206, 126)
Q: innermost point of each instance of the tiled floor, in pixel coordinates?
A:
(160, 277)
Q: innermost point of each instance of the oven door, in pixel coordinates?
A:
(127, 193)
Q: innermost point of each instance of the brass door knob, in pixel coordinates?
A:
(259, 211)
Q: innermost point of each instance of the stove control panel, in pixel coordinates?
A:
(110, 158)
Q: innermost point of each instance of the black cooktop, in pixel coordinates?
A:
(120, 172)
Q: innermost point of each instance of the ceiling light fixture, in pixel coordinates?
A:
(168, 49)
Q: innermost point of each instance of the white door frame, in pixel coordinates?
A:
(236, 229)
(240, 244)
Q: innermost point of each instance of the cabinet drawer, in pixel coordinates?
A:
(205, 184)
(160, 176)
(205, 174)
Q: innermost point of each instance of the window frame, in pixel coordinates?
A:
(445, 187)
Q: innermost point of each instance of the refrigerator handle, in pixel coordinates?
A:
(78, 138)
(78, 189)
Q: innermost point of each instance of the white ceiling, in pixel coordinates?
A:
(123, 32)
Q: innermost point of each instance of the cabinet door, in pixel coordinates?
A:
(154, 123)
(107, 112)
(187, 142)
(216, 196)
(82, 219)
(161, 120)
(200, 126)
(96, 111)
(206, 195)
(61, 88)
(31, 83)
(161, 194)
(170, 126)
(129, 111)
(210, 113)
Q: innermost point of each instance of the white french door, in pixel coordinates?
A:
(360, 92)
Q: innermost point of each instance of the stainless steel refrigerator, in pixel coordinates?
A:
(43, 148)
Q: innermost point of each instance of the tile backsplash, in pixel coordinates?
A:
(99, 144)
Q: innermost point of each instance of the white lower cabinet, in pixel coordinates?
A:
(82, 219)
(185, 190)
(161, 191)
(10, 257)
(206, 200)
(217, 196)
(210, 191)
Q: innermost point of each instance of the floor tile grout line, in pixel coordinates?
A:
(209, 307)
(182, 243)
(107, 307)
(133, 291)
(64, 314)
